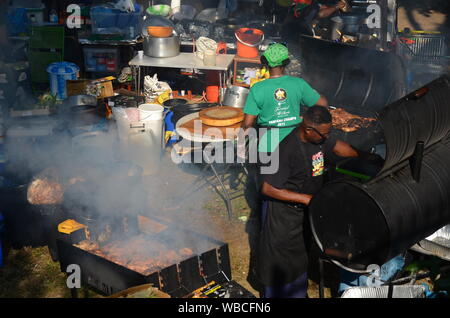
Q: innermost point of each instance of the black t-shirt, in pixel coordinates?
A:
(282, 249)
(301, 165)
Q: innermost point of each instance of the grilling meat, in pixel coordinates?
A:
(138, 254)
(347, 122)
(44, 191)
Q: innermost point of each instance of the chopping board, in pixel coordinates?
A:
(224, 132)
(221, 116)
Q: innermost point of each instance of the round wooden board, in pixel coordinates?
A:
(221, 116)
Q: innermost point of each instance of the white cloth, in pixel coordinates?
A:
(203, 44)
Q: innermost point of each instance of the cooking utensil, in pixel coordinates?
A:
(212, 15)
(236, 96)
(160, 31)
(183, 110)
(162, 47)
(171, 103)
(221, 116)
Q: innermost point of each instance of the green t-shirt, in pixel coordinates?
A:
(276, 102)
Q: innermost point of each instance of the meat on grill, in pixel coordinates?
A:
(44, 191)
(137, 254)
(347, 122)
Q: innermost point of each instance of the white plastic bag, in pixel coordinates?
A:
(203, 44)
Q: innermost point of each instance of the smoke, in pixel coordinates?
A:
(103, 182)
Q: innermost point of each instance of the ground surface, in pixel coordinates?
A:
(30, 272)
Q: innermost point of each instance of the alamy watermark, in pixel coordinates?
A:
(74, 19)
(74, 276)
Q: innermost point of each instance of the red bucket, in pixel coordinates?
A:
(248, 40)
(212, 93)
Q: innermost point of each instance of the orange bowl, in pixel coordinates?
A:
(160, 31)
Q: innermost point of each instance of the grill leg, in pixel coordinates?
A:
(74, 293)
(321, 278)
(224, 191)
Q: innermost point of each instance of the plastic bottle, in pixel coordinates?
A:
(53, 16)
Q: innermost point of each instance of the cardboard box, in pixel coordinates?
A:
(77, 87)
(101, 88)
(104, 86)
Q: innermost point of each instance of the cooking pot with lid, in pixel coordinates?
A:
(162, 47)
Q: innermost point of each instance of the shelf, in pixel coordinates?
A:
(239, 59)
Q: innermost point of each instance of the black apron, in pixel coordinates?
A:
(282, 249)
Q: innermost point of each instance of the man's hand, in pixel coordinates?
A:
(341, 5)
(308, 198)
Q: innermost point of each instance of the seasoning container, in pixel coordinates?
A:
(209, 58)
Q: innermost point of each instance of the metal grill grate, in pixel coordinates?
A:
(424, 48)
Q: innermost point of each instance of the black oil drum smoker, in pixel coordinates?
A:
(355, 224)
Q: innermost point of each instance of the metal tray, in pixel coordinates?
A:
(438, 243)
(405, 291)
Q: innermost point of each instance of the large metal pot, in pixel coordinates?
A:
(162, 47)
(347, 24)
(236, 96)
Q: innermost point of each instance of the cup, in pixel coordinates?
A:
(141, 54)
(209, 58)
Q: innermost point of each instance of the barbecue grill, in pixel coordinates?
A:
(356, 80)
(210, 262)
(359, 224)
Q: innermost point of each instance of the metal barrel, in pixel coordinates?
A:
(361, 224)
(351, 76)
(421, 116)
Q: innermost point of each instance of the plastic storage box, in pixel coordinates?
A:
(101, 60)
(113, 21)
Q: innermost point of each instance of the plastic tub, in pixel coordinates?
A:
(248, 40)
(59, 73)
(103, 17)
(150, 112)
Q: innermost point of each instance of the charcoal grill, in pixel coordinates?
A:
(410, 194)
(209, 263)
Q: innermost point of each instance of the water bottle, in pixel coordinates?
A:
(53, 16)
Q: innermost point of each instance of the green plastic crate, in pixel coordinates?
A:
(47, 37)
(39, 61)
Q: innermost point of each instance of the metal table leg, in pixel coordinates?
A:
(225, 192)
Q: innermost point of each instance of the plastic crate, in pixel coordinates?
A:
(39, 61)
(101, 60)
(47, 37)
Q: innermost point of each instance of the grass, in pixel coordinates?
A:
(30, 272)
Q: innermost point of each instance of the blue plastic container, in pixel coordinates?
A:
(103, 17)
(59, 73)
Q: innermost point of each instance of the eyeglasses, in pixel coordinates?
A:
(323, 136)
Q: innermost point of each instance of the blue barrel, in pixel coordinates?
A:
(59, 73)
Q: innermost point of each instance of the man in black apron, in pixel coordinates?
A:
(282, 258)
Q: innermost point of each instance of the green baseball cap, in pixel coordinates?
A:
(275, 54)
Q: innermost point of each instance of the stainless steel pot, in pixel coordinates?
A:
(236, 96)
(162, 47)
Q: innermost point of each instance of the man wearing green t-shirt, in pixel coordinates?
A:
(275, 102)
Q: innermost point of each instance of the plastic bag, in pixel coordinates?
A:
(153, 88)
(203, 44)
